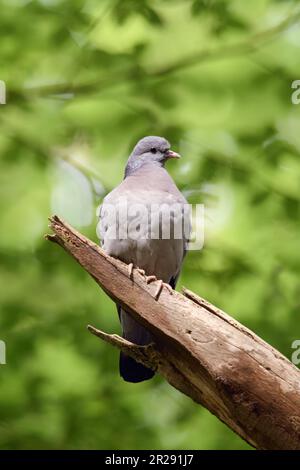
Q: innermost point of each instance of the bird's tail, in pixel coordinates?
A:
(130, 370)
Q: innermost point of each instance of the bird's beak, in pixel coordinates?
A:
(171, 154)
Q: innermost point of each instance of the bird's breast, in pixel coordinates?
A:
(148, 233)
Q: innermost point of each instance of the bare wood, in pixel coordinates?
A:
(200, 350)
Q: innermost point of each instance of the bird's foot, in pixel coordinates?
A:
(160, 285)
(150, 279)
(131, 267)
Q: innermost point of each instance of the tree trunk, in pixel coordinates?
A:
(199, 349)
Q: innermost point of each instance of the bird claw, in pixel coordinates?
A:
(160, 287)
(150, 279)
(130, 270)
(168, 287)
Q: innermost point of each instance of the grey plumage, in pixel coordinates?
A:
(146, 184)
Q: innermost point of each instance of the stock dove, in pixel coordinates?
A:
(127, 233)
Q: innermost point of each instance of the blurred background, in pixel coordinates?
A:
(85, 80)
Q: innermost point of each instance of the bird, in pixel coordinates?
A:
(147, 185)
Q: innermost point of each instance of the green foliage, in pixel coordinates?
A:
(86, 79)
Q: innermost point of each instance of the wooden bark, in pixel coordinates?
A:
(199, 350)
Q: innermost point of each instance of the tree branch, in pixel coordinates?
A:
(200, 350)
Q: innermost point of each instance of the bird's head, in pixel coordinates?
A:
(151, 149)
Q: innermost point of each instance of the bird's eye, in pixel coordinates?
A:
(153, 150)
